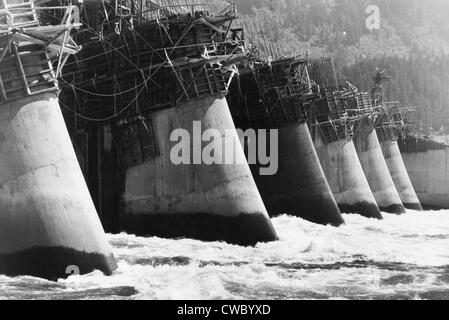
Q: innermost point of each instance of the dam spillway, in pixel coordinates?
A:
(49, 227)
(269, 97)
(167, 75)
(427, 163)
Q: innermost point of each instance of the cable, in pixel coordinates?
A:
(118, 113)
(92, 57)
(101, 94)
(107, 118)
(115, 49)
(147, 43)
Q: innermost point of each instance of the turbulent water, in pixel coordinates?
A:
(401, 257)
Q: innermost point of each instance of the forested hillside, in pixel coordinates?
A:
(412, 43)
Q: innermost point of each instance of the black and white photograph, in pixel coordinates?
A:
(240, 152)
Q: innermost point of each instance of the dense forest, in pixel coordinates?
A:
(410, 41)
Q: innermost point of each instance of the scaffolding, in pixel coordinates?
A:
(332, 110)
(328, 113)
(322, 72)
(141, 57)
(270, 94)
(340, 106)
(28, 48)
(390, 122)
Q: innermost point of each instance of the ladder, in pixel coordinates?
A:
(22, 12)
(28, 49)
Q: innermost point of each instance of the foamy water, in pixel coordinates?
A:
(401, 257)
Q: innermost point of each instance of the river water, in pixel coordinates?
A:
(401, 257)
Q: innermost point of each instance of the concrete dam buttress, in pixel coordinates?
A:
(48, 223)
(47, 219)
(299, 187)
(332, 137)
(376, 169)
(398, 172)
(198, 201)
(387, 131)
(145, 91)
(331, 126)
(390, 123)
(345, 174)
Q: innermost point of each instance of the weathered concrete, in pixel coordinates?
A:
(345, 175)
(47, 219)
(376, 169)
(299, 187)
(207, 202)
(428, 169)
(398, 172)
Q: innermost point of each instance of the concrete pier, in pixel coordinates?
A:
(399, 174)
(375, 168)
(270, 98)
(48, 223)
(427, 163)
(217, 202)
(345, 175)
(299, 188)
